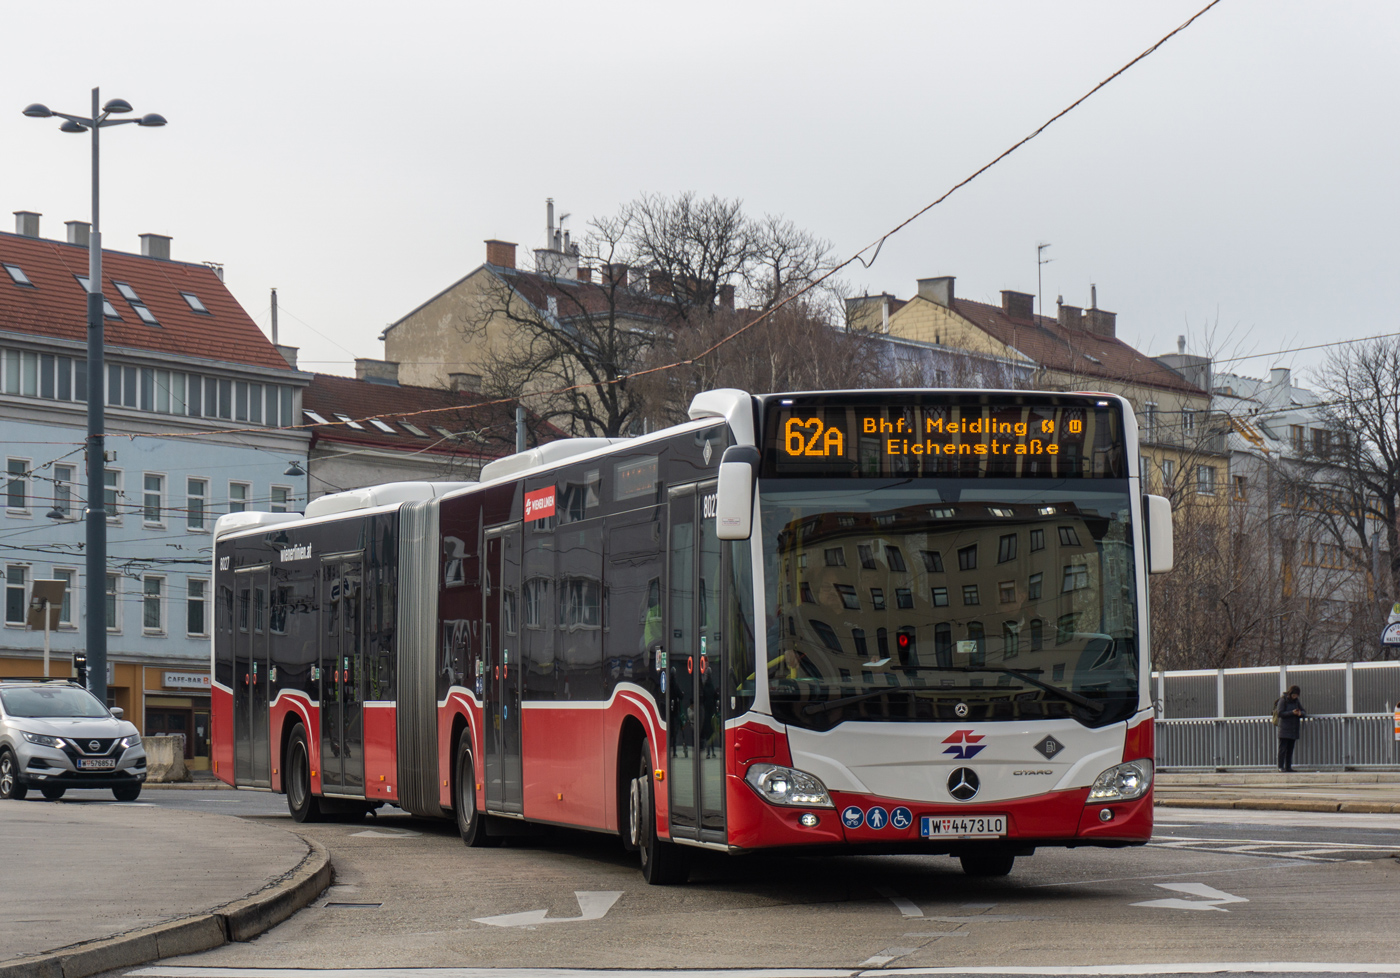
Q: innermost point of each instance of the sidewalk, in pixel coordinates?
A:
(1303, 791)
(92, 889)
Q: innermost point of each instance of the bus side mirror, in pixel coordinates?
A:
(1160, 556)
(734, 503)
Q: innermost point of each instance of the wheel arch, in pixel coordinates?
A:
(630, 736)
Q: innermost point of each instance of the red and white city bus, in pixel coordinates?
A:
(861, 621)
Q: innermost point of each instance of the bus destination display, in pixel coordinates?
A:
(983, 437)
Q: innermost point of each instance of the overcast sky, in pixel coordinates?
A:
(1240, 183)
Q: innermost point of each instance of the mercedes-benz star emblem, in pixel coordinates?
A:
(960, 709)
(94, 745)
(963, 783)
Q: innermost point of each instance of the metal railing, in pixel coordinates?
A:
(1331, 742)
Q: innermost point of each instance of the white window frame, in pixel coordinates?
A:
(114, 511)
(203, 498)
(204, 606)
(25, 487)
(146, 597)
(272, 502)
(247, 496)
(113, 593)
(1204, 486)
(26, 579)
(64, 483)
(159, 521)
(70, 595)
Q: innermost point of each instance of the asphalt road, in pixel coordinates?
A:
(1213, 887)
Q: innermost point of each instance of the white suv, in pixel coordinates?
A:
(55, 735)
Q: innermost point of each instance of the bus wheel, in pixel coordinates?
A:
(993, 863)
(303, 805)
(470, 822)
(663, 863)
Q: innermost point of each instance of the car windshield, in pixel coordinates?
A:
(949, 599)
(51, 701)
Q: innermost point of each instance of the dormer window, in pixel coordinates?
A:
(195, 304)
(313, 417)
(382, 426)
(414, 430)
(18, 275)
(349, 422)
(443, 431)
(108, 310)
(139, 307)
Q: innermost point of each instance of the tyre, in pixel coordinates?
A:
(127, 792)
(10, 785)
(52, 793)
(987, 863)
(663, 863)
(304, 806)
(470, 822)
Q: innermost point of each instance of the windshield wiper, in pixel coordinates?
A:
(1064, 694)
(824, 705)
(811, 709)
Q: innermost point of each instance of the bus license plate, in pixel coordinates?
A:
(96, 763)
(964, 827)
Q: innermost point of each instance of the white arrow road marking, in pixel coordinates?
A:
(1212, 898)
(592, 905)
(386, 834)
(906, 907)
(886, 956)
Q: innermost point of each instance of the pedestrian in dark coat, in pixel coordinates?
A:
(1290, 722)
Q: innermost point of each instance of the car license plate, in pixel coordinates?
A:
(96, 763)
(963, 827)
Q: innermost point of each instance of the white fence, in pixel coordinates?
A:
(1209, 719)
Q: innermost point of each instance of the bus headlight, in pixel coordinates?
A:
(788, 786)
(1124, 782)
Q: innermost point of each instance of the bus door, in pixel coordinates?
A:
(695, 667)
(252, 665)
(501, 709)
(342, 675)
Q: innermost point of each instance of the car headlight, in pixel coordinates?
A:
(1124, 782)
(132, 741)
(43, 740)
(788, 786)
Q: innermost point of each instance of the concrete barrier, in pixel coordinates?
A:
(165, 758)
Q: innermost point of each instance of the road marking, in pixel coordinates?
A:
(385, 834)
(984, 918)
(938, 933)
(886, 956)
(906, 907)
(592, 905)
(1176, 968)
(1292, 849)
(1211, 898)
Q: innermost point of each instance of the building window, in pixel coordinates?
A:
(836, 557)
(1037, 540)
(111, 491)
(933, 561)
(806, 590)
(1240, 487)
(1205, 480)
(153, 603)
(939, 596)
(17, 485)
(1068, 537)
(63, 489)
(196, 497)
(1298, 435)
(114, 620)
(978, 636)
(877, 598)
(970, 594)
(1150, 420)
(1033, 587)
(858, 637)
(196, 602)
(1006, 590)
(904, 598)
(1011, 639)
(16, 593)
(1188, 423)
(895, 558)
(238, 497)
(17, 274)
(1065, 628)
(152, 496)
(867, 555)
(967, 558)
(827, 634)
(281, 499)
(65, 611)
(1144, 471)
(1006, 548)
(849, 599)
(1076, 577)
(1037, 634)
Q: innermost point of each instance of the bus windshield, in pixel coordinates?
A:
(949, 600)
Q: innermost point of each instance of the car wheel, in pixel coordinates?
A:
(304, 806)
(987, 863)
(470, 822)
(663, 863)
(127, 792)
(52, 793)
(10, 785)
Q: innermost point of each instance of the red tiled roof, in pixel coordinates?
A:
(424, 408)
(574, 298)
(57, 305)
(1063, 348)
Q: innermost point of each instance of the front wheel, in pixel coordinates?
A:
(470, 822)
(10, 785)
(304, 806)
(987, 863)
(52, 793)
(127, 792)
(663, 863)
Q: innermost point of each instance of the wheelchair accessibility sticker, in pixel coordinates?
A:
(901, 818)
(877, 818)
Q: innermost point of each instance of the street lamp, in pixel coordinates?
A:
(96, 419)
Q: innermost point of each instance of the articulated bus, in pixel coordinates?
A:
(904, 621)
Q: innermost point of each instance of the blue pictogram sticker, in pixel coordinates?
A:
(877, 818)
(901, 818)
(853, 817)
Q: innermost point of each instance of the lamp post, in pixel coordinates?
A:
(96, 400)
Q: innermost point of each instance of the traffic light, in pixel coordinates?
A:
(904, 646)
(80, 667)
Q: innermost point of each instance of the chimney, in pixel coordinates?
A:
(585, 274)
(659, 283)
(500, 253)
(27, 223)
(938, 290)
(377, 371)
(1181, 345)
(615, 274)
(1281, 377)
(156, 246)
(289, 353)
(549, 223)
(79, 233)
(1101, 322)
(464, 383)
(1071, 317)
(1017, 305)
(726, 296)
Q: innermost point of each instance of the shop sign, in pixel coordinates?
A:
(187, 680)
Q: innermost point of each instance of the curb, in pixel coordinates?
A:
(1280, 805)
(241, 920)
